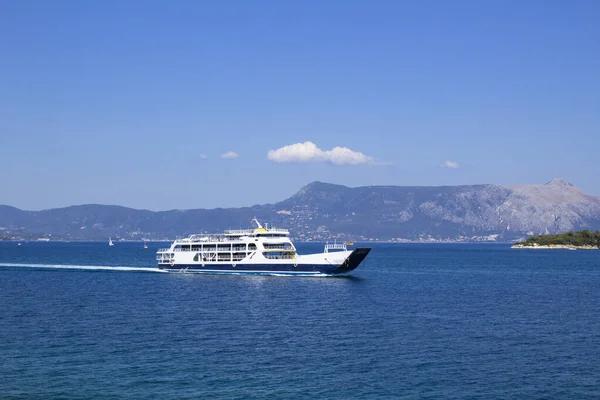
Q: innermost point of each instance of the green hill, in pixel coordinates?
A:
(581, 238)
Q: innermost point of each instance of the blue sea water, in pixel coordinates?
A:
(435, 321)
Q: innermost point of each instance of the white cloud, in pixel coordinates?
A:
(230, 154)
(203, 156)
(309, 152)
(449, 164)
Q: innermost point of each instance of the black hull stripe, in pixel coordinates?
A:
(353, 260)
(222, 267)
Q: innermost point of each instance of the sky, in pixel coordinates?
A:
(178, 104)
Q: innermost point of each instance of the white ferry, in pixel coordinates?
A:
(255, 251)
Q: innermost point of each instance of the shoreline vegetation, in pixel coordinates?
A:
(582, 240)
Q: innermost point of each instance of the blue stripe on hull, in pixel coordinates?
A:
(288, 269)
(349, 264)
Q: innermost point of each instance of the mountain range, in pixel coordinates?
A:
(324, 211)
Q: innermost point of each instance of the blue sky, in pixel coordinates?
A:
(134, 102)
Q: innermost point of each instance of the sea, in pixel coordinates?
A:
(414, 321)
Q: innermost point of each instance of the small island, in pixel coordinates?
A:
(584, 240)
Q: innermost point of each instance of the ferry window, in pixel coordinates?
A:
(251, 246)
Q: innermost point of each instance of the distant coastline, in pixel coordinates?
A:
(473, 242)
(321, 211)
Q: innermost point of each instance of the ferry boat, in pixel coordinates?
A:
(262, 250)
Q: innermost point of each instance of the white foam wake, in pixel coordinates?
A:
(83, 267)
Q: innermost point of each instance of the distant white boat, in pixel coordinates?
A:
(145, 245)
(110, 242)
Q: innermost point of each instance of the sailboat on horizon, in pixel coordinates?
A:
(110, 242)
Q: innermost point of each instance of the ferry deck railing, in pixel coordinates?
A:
(335, 246)
(277, 247)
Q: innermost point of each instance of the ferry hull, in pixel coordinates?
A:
(349, 264)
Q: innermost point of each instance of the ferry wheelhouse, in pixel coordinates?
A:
(262, 250)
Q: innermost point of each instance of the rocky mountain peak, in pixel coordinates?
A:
(559, 182)
(318, 186)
